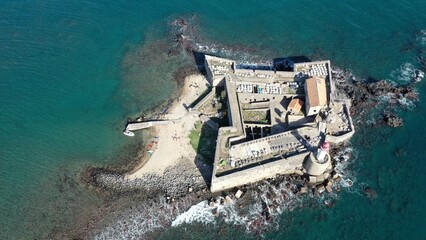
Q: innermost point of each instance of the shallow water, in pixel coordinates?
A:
(69, 78)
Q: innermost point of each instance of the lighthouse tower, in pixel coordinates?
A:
(322, 152)
(316, 164)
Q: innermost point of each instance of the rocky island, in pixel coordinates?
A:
(247, 138)
(268, 122)
(243, 131)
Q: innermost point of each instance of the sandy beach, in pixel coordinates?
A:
(173, 142)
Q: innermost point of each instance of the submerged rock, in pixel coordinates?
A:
(400, 152)
(329, 203)
(393, 120)
(368, 94)
(370, 193)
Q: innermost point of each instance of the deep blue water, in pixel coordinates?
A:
(69, 79)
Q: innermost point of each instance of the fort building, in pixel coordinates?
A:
(316, 96)
(279, 121)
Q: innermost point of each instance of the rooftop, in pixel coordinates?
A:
(295, 106)
(316, 92)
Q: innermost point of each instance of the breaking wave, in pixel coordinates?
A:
(421, 36)
(267, 201)
(257, 211)
(146, 217)
(406, 72)
(407, 103)
(404, 102)
(245, 55)
(200, 213)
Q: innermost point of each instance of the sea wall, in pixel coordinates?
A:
(209, 96)
(348, 135)
(290, 165)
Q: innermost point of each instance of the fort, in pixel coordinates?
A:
(278, 119)
(280, 122)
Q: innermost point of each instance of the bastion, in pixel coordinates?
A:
(281, 121)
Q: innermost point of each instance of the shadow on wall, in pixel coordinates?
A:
(304, 141)
(203, 139)
(280, 64)
(285, 64)
(199, 58)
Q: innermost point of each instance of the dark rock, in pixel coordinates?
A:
(370, 193)
(338, 188)
(370, 93)
(392, 120)
(329, 203)
(400, 152)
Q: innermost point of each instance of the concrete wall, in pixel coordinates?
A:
(205, 99)
(286, 74)
(234, 114)
(243, 71)
(215, 80)
(235, 132)
(218, 81)
(346, 136)
(143, 125)
(330, 83)
(312, 110)
(208, 72)
(265, 72)
(255, 97)
(284, 166)
(339, 139)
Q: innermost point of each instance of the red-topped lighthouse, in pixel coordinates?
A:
(317, 164)
(323, 151)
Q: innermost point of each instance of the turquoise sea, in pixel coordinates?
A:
(72, 72)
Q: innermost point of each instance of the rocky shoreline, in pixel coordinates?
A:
(184, 184)
(178, 181)
(371, 94)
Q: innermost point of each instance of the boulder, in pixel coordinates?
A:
(228, 200)
(215, 212)
(370, 193)
(321, 189)
(320, 178)
(326, 175)
(393, 120)
(312, 179)
(238, 194)
(335, 175)
(303, 190)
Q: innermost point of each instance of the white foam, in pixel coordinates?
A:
(407, 103)
(267, 197)
(201, 213)
(421, 37)
(407, 72)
